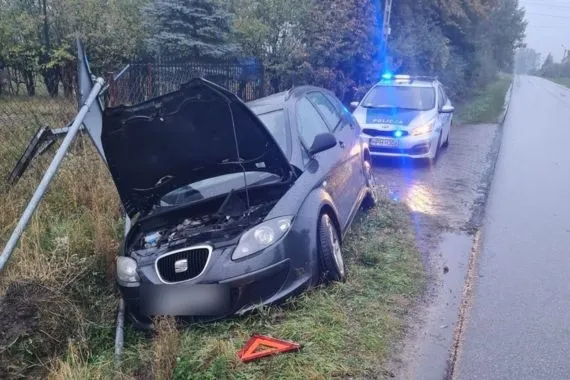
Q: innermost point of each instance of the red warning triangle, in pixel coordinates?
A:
(259, 346)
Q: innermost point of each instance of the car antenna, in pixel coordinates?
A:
(239, 155)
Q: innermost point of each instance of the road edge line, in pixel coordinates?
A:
(466, 303)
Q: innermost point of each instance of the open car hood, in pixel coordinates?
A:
(200, 131)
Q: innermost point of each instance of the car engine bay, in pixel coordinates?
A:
(222, 227)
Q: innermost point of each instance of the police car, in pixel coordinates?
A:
(405, 115)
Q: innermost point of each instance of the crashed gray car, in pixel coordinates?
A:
(232, 205)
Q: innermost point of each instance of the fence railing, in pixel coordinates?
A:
(23, 117)
(143, 81)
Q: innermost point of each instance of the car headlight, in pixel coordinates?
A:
(424, 129)
(127, 269)
(262, 236)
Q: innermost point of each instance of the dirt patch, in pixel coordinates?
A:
(35, 324)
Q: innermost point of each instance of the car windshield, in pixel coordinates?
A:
(405, 97)
(215, 186)
(275, 123)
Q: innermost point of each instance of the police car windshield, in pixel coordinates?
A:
(404, 97)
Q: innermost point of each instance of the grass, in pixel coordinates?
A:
(485, 105)
(562, 81)
(59, 301)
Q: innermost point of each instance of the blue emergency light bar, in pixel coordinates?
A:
(405, 77)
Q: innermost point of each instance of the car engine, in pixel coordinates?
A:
(232, 218)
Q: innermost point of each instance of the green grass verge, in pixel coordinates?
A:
(345, 329)
(485, 105)
(562, 81)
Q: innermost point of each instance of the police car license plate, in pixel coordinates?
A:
(383, 142)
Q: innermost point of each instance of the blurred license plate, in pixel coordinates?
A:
(383, 142)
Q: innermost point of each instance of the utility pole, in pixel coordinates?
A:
(386, 31)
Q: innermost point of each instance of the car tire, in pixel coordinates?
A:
(446, 143)
(330, 251)
(437, 148)
(371, 197)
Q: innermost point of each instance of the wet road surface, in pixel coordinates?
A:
(519, 323)
(447, 201)
(449, 190)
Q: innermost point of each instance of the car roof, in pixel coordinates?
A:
(271, 100)
(400, 83)
(278, 101)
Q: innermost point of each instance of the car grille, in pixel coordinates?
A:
(182, 265)
(376, 132)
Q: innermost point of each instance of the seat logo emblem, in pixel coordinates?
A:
(181, 266)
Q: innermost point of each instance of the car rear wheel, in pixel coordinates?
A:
(330, 251)
(372, 196)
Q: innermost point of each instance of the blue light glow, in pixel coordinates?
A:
(387, 76)
(398, 133)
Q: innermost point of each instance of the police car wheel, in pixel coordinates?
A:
(436, 153)
(446, 143)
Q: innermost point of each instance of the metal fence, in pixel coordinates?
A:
(143, 81)
(29, 125)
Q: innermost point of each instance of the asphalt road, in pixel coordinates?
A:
(518, 325)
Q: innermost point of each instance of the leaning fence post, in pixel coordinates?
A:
(50, 172)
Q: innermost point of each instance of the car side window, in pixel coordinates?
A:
(309, 122)
(326, 108)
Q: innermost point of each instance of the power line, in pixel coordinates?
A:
(546, 26)
(545, 3)
(547, 15)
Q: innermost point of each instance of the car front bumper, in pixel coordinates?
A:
(226, 288)
(407, 146)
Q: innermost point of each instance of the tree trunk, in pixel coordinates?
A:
(51, 80)
(29, 81)
(67, 75)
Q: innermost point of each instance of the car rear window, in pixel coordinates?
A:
(405, 97)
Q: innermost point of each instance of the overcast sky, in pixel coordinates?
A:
(548, 26)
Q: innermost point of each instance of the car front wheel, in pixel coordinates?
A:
(330, 250)
(372, 196)
(437, 148)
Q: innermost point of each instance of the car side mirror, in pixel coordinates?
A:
(353, 105)
(447, 109)
(322, 142)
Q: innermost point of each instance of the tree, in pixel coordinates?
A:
(20, 45)
(343, 39)
(273, 30)
(506, 26)
(330, 43)
(549, 61)
(464, 42)
(189, 29)
(527, 61)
